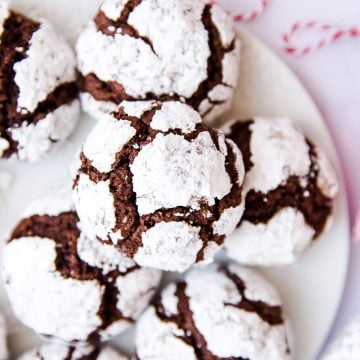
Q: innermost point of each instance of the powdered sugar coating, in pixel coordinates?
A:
(50, 313)
(134, 299)
(102, 146)
(36, 140)
(170, 246)
(95, 206)
(259, 244)
(179, 173)
(327, 180)
(214, 306)
(286, 153)
(173, 167)
(295, 184)
(156, 338)
(56, 351)
(49, 62)
(169, 54)
(112, 8)
(77, 298)
(104, 256)
(173, 115)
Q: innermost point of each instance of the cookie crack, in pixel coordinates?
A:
(309, 199)
(273, 315)
(63, 230)
(185, 321)
(121, 26)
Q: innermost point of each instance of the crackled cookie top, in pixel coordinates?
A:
(38, 91)
(290, 186)
(215, 313)
(159, 50)
(160, 185)
(73, 293)
(55, 351)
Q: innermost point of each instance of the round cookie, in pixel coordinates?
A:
(159, 50)
(159, 184)
(54, 351)
(290, 188)
(38, 89)
(77, 289)
(217, 312)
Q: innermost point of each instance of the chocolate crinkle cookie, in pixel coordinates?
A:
(156, 182)
(159, 50)
(290, 188)
(38, 90)
(219, 312)
(64, 285)
(55, 351)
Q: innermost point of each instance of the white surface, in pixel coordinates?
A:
(311, 289)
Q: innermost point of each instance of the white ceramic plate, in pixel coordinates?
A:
(312, 288)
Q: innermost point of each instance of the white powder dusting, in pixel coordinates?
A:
(65, 308)
(36, 140)
(136, 289)
(228, 220)
(113, 8)
(278, 151)
(95, 206)
(260, 244)
(49, 62)
(169, 246)
(58, 202)
(156, 339)
(176, 62)
(239, 163)
(96, 108)
(229, 331)
(225, 27)
(107, 139)
(137, 108)
(101, 255)
(326, 180)
(210, 251)
(114, 329)
(179, 173)
(257, 287)
(109, 353)
(175, 115)
(231, 65)
(169, 300)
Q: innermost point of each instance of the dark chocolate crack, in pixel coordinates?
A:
(240, 134)
(14, 44)
(128, 220)
(111, 27)
(185, 321)
(273, 315)
(64, 231)
(114, 92)
(309, 199)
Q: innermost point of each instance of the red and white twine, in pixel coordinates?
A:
(323, 34)
(330, 34)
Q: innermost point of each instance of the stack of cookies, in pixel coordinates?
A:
(155, 188)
